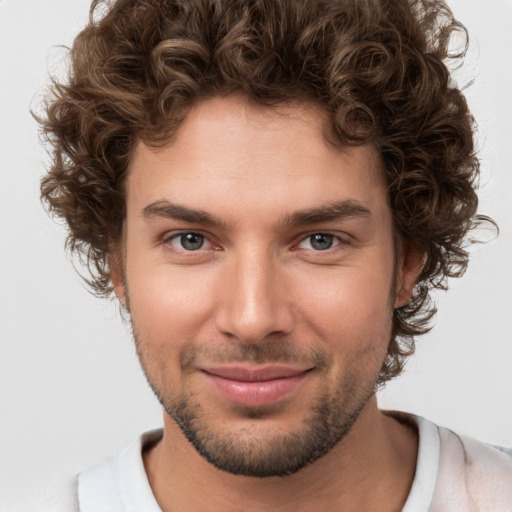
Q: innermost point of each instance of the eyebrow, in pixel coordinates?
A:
(325, 213)
(332, 211)
(165, 209)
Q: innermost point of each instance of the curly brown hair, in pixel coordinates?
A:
(378, 67)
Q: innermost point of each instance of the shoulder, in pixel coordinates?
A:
(119, 483)
(455, 473)
(474, 473)
(60, 499)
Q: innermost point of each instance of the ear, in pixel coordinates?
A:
(115, 265)
(410, 266)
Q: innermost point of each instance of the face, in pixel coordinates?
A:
(260, 274)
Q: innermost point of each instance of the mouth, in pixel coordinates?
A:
(253, 386)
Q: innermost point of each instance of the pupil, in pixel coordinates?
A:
(321, 241)
(191, 241)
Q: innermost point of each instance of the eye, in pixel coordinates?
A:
(188, 241)
(319, 242)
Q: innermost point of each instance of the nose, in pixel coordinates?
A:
(254, 302)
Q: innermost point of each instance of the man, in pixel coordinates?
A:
(272, 190)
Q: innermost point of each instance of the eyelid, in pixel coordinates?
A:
(341, 240)
(170, 236)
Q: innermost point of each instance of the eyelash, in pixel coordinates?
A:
(176, 236)
(337, 241)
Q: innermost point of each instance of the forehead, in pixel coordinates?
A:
(228, 152)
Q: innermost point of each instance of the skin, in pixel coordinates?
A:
(259, 288)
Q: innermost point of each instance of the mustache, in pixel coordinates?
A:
(277, 351)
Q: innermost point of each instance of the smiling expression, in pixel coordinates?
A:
(260, 272)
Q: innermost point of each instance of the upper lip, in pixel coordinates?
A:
(246, 373)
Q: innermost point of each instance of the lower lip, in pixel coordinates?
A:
(254, 394)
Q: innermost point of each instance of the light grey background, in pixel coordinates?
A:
(71, 388)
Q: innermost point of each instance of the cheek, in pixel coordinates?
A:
(349, 300)
(169, 313)
(168, 305)
(351, 313)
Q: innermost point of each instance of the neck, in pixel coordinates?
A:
(371, 468)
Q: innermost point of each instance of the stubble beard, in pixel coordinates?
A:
(242, 451)
(244, 454)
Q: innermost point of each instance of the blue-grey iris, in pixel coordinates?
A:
(192, 241)
(321, 241)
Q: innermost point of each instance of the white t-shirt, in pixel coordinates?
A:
(453, 474)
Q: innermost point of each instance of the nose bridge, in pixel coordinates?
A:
(254, 304)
